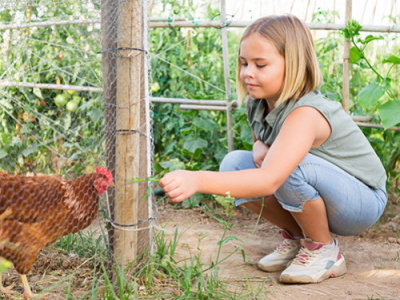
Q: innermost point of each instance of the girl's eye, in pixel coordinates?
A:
(243, 64)
(260, 66)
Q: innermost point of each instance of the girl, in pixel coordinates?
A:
(312, 172)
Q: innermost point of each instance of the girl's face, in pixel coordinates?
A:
(262, 69)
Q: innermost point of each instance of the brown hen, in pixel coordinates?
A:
(36, 211)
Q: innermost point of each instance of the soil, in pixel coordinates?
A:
(373, 259)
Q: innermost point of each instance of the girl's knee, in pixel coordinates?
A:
(296, 191)
(237, 160)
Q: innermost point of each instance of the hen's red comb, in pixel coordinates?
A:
(105, 172)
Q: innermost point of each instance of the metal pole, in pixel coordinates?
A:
(188, 101)
(204, 107)
(75, 22)
(51, 86)
(370, 125)
(178, 23)
(346, 61)
(225, 55)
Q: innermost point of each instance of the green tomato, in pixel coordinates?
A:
(60, 100)
(73, 105)
(155, 87)
(200, 37)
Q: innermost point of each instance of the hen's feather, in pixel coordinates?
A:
(36, 211)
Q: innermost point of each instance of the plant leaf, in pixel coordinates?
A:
(38, 93)
(197, 153)
(370, 38)
(373, 92)
(173, 164)
(205, 124)
(3, 153)
(227, 239)
(6, 104)
(390, 113)
(192, 143)
(392, 59)
(224, 201)
(355, 55)
(217, 219)
(4, 265)
(95, 115)
(243, 255)
(353, 28)
(28, 151)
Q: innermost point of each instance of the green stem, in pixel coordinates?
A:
(222, 238)
(372, 68)
(390, 69)
(390, 94)
(366, 60)
(238, 248)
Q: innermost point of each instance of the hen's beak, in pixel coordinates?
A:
(112, 184)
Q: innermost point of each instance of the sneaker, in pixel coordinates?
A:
(314, 263)
(283, 254)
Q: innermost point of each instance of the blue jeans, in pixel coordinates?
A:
(351, 206)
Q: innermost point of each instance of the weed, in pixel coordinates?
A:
(376, 298)
(397, 258)
(161, 275)
(83, 244)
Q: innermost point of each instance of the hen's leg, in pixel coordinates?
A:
(6, 290)
(27, 290)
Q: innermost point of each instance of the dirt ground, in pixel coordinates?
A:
(372, 258)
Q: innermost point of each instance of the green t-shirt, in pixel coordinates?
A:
(346, 147)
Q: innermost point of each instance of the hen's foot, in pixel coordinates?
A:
(7, 290)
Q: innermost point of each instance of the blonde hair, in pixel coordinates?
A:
(294, 42)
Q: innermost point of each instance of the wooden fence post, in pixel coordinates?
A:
(130, 80)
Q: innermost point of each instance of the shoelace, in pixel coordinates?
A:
(285, 246)
(304, 256)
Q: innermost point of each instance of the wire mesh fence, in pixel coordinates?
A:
(75, 117)
(75, 126)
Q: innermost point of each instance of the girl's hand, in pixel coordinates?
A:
(260, 150)
(179, 185)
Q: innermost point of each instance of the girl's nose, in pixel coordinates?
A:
(248, 72)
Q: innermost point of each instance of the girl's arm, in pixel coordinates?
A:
(304, 128)
(260, 151)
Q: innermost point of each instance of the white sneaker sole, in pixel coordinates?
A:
(273, 268)
(336, 270)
